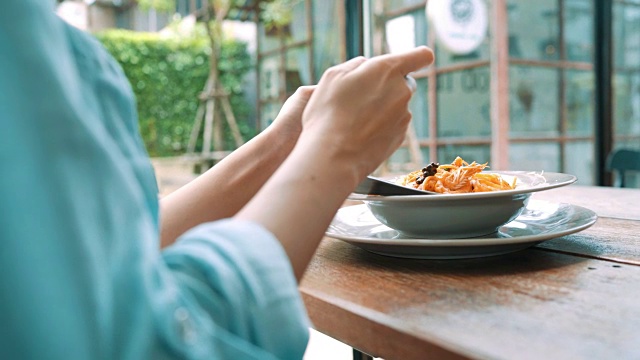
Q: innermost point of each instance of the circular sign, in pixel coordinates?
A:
(460, 25)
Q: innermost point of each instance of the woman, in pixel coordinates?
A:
(83, 275)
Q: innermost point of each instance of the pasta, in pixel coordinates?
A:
(457, 177)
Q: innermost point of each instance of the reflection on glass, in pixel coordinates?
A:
(268, 113)
(579, 102)
(269, 75)
(406, 32)
(399, 161)
(627, 103)
(578, 29)
(298, 72)
(579, 161)
(477, 153)
(268, 40)
(419, 107)
(297, 30)
(400, 4)
(533, 29)
(626, 81)
(444, 57)
(400, 34)
(533, 101)
(326, 36)
(626, 39)
(463, 103)
(535, 157)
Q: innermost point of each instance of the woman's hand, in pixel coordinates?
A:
(223, 190)
(360, 109)
(358, 115)
(288, 123)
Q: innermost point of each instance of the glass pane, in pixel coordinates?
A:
(578, 30)
(632, 179)
(401, 4)
(400, 34)
(579, 102)
(533, 29)
(269, 77)
(268, 113)
(626, 82)
(406, 32)
(626, 40)
(533, 101)
(464, 103)
(627, 103)
(419, 107)
(399, 162)
(297, 30)
(579, 161)
(327, 41)
(298, 72)
(444, 57)
(268, 40)
(535, 157)
(478, 153)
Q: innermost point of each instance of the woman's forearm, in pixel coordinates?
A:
(299, 201)
(357, 117)
(224, 189)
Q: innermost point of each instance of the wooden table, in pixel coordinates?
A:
(574, 297)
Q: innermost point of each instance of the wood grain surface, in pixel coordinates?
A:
(620, 203)
(574, 297)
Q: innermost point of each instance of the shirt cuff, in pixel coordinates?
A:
(240, 275)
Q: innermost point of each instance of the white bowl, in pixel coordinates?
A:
(450, 216)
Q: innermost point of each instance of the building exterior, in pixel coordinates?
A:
(96, 15)
(522, 99)
(527, 95)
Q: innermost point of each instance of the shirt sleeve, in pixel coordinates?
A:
(82, 274)
(239, 275)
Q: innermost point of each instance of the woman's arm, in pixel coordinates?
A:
(357, 117)
(228, 186)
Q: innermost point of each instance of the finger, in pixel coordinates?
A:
(411, 60)
(305, 91)
(352, 64)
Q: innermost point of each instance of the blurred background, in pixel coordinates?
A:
(534, 85)
(548, 85)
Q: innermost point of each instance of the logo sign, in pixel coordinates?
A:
(460, 25)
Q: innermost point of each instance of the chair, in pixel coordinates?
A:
(622, 161)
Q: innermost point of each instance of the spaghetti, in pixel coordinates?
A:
(457, 177)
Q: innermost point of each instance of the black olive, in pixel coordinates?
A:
(431, 169)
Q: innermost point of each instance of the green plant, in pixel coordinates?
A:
(167, 74)
(212, 14)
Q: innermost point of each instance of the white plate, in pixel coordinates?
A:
(459, 216)
(527, 182)
(540, 221)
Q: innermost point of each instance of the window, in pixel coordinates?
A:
(549, 77)
(298, 53)
(626, 81)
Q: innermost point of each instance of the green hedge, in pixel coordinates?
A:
(167, 74)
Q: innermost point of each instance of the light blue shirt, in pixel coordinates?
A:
(81, 273)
